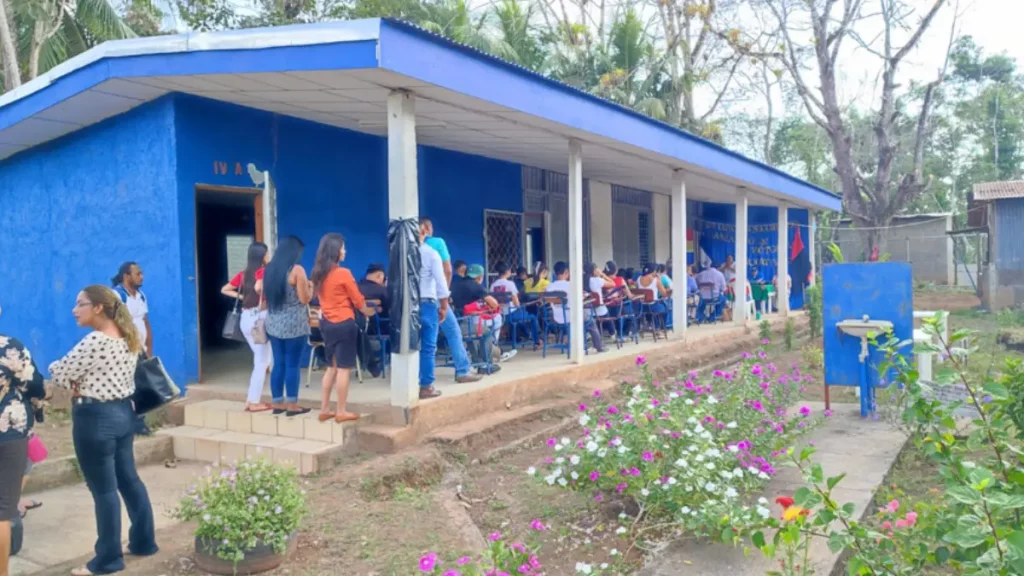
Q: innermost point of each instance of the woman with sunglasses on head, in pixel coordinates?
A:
(100, 371)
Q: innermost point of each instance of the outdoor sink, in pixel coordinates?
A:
(861, 328)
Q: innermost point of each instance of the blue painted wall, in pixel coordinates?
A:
(456, 188)
(883, 291)
(72, 211)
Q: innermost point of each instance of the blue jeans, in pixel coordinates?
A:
(285, 374)
(521, 316)
(453, 334)
(103, 435)
(428, 342)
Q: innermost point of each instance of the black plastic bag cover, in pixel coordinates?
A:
(404, 273)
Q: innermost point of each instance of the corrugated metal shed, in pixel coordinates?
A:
(1009, 215)
(986, 191)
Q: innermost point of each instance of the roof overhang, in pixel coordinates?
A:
(340, 73)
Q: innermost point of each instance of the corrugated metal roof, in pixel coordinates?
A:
(999, 190)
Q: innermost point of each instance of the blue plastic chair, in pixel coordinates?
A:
(382, 337)
(482, 338)
(562, 332)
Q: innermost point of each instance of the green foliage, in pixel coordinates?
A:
(836, 251)
(813, 299)
(789, 332)
(975, 526)
(764, 329)
(813, 356)
(237, 506)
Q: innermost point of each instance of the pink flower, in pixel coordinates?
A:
(828, 413)
(887, 525)
(641, 360)
(648, 457)
(452, 573)
(594, 476)
(613, 410)
(755, 369)
(805, 410)
(552, 442)
(495, 536)
(901, 524)
(525, 569)
(538, 525)
(428, 562)
(597, 393)
(518, 547)
(893, 506)
(599, 497)
(765, 341)
(621, 488)
(463, 561)
(534, 562)
(911, 518)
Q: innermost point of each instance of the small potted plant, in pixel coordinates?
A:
(247, 516)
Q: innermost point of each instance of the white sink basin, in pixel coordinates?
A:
(862, 328)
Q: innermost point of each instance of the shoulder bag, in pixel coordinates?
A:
(153, 386)
(259, 328)
(233, 323)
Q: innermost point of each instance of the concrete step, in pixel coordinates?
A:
(222, 431)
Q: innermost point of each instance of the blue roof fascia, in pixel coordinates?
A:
(414, 52)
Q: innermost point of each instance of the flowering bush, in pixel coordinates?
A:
(974, 527)
(685, 450)
(501, 558)
(238, 506)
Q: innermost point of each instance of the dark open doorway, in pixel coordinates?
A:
(227, 221)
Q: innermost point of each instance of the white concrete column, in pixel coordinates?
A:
(403, 202)
(662, 227)
(812, 233)
(678, 207)
(739, 309)
(782, 296)
(601, 222)
(576, 280)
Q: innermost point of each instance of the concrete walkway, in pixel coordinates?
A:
(865, 449)
(64, 528)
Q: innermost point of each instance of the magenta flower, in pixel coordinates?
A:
(641, 360)
(597, 393)
(805, 410)
(621, 488)
(613, 410)
(463, 561)
(428, 562)
(765, 341)
(599, 498)
(534, 562)
(756, 405)
(648, 457)
(594, 476)
(538, 525)
(828, 413)
(583, 407)
(718, 373)
(755, 369)
(495, 536)
(655, 403)
(552, 442)
(634, 471)
(452, 573)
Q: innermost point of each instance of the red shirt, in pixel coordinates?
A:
(236, 282)
(248, 300)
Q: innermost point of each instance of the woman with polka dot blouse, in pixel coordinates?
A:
(100, 371)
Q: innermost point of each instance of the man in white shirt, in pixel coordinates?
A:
(128, 285)
(562, 286)
(434, 296)
(715, 293)
(513, 310)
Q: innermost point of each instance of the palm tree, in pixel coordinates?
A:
(517, 32)
(49, 32)
(452, 18)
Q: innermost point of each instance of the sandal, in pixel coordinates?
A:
(82, 571)
(258, 407)
(297, 412)
(346, 417)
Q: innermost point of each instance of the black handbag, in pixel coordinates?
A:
(153, 386)
(233, 325)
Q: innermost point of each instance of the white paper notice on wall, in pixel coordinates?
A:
(237, 249)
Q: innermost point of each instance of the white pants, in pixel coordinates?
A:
(261, 354)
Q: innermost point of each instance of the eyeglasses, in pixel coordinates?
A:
(83, 304)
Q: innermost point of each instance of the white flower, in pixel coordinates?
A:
(591, 446)
(671, 480)
(559, 460)
(685, 510)
(762, 476)
(584, 419)
(689, 402)
(622, 515)
(531, 471)
(763, 512)
(710, 465)
(682, 463)
(738, 472)
(637, 389)
(582, 568)
(710, 486)
(614, 552)
(562, 482)
(575, 475)
(602, 453)
(733, 448)
(706, 435)
(565, 440)
(558, 447)
(550, 480)
(713, 453)
(617, 442)
(763, 501)
(673, 395)
(574, 459)
(692, 448)
(691, 420)
(688, 488)
(651, 438)
(698, 428)
(731, 425)
(604, 566)
(623, 450)
(712, 400)
(645, 492)
(730, 492)
(699, 458)
(620, 530)
(726, 474)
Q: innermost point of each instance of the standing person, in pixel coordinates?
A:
(244, 287)
(128, 285)
(287, 291)
(728, 269)
(100, 371)
(20, 384)
(433, 310)
(449, 324)
(340, 299)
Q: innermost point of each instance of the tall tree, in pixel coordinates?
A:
(870, 198)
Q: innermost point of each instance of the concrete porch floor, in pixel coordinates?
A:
(227, 371)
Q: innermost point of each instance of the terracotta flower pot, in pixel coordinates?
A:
(260, 558)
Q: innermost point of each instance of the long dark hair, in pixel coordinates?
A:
(275, 276)
(253, 262)
(327, 257)
(541, 267)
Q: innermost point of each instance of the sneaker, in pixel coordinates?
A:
(509, 355)
(468, 378)
(488, 370)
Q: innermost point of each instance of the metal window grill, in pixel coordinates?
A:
(644, 232)
(503, 234)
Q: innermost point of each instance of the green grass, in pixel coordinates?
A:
(989, 355)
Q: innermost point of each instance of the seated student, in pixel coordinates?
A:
(459, 269)
(468, 293)
(513, 309)
(597, 283)
(538, 283)
(560, 313)
(666, 280)
(373, 286)
(520, 279)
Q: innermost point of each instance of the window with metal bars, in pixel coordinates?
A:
(644, 232)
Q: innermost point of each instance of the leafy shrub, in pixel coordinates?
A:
(765, 330)
(788, 333)
(813, 356)
(686, 451)
(813, 299)
(238, 506)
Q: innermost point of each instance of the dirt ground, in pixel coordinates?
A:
(945, 300)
